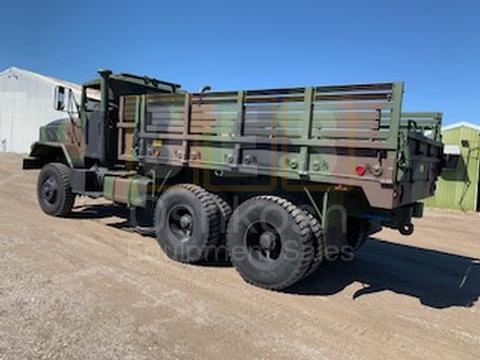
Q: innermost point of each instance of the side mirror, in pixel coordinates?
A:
(60, 98)
(64, 100)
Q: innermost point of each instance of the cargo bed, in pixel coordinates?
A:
(352, 135)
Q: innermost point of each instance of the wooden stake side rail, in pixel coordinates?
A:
(287, 129)
(319, 134)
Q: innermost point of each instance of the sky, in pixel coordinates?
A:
(431, 45)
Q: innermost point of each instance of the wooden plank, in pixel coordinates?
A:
(352, 106)
(165, 97)
(130, 113)
(290, 133)
(211, 100)
(281, 91)
(165, 128)
(164, 117)
(166, 122)
(163, 109)
(218, 128)
(343, 124)
(275, 99)
(204, 123)
(208, 116)
(166, 103)
(274, 108)
(284, 125)
(353, 134)
(274, 127)
(215, 94)
(345, 115)
(159, 117)
(354, 87)
(353, 96)
(274, 117)
(213, 108)
(212, 132)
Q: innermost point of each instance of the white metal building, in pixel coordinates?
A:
(26, 103)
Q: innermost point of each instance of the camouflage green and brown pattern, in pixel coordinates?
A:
(319, 135)
(67, 134)
(347, 136)
(131, 190)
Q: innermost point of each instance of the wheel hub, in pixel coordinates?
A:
(181, 223)
(186, 221)
(49, 189)
(263, 242)
(267, 241)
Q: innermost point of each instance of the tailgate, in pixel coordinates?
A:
(420, 156)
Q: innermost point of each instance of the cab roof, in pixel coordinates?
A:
(146, 81)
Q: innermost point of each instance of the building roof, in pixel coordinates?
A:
(12, 71)
(460, 124)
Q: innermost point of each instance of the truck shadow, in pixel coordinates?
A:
(98, 211)
(438, 279)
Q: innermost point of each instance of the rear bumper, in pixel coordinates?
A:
(399, 217)
(403, 215)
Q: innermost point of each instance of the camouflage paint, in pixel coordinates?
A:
(69, 134)
(314, 135)
(133, 191)
(318, 135)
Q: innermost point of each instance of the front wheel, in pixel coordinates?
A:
(54, 191)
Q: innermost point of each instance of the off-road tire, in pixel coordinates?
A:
(318, 243)
(205, 223)
(286, 269)
(58, 201)
(225, 212)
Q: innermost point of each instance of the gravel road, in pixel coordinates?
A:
(87, 287)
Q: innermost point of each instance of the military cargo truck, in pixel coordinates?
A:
(281, 178)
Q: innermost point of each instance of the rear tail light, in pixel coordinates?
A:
(360, 170)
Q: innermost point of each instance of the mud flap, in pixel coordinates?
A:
(334, 220)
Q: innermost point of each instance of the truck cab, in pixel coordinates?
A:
(88, 136)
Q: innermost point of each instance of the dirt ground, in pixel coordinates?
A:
(88, 287)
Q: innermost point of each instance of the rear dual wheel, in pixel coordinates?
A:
(270, 241)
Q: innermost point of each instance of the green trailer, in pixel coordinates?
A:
(283, 179)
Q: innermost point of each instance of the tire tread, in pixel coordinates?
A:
(300, 219)
(211, 212)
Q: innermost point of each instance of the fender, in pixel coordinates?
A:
(43, 152)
